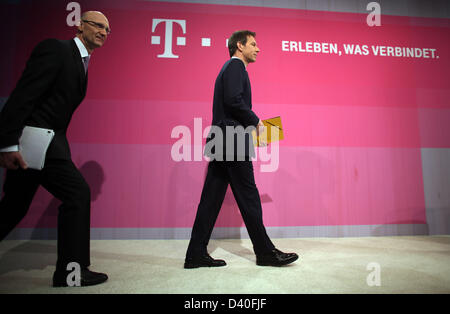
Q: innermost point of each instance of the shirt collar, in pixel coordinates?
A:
(234, 57)
(81, 47)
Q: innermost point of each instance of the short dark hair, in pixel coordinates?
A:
(238, 37)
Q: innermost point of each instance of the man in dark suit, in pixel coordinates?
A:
(51, 87)
(232, 109)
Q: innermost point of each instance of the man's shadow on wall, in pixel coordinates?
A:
(18, 258)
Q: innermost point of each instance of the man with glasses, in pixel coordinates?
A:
(51, 87)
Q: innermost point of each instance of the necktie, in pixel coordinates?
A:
(86, 63)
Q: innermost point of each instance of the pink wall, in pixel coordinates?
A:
(354, 124)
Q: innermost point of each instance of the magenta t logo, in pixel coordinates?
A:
(156, 40)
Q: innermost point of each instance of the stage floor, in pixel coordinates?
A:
(401, 264)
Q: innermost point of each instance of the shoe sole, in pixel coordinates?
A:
(61, 285)
(191, 266)
(286, 262)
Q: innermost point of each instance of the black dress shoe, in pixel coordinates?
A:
(203, 261)
(87, 278)
(275, 258)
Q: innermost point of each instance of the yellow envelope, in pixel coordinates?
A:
(273, 132)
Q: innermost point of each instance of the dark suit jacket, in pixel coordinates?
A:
(51, 87)
(232, 105)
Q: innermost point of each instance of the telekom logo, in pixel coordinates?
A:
(180, 40)
(156, 40)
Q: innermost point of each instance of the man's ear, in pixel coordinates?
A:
(79, 28)
(240, 46)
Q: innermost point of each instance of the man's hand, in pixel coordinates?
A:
(12, 160)
(260, 128)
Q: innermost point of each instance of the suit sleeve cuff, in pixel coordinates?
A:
(255, 121)
(7, 149)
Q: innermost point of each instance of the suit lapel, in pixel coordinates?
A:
(82, 77)
(249, 88)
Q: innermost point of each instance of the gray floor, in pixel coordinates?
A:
(411, 264)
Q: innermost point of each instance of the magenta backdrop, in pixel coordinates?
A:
(354, 124)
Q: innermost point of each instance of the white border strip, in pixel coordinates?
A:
(230, 233)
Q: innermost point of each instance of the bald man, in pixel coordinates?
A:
(51, 87)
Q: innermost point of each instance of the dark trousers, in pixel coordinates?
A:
(240, 176)
(64, 181)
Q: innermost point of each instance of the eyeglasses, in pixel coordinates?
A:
(99, 26)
